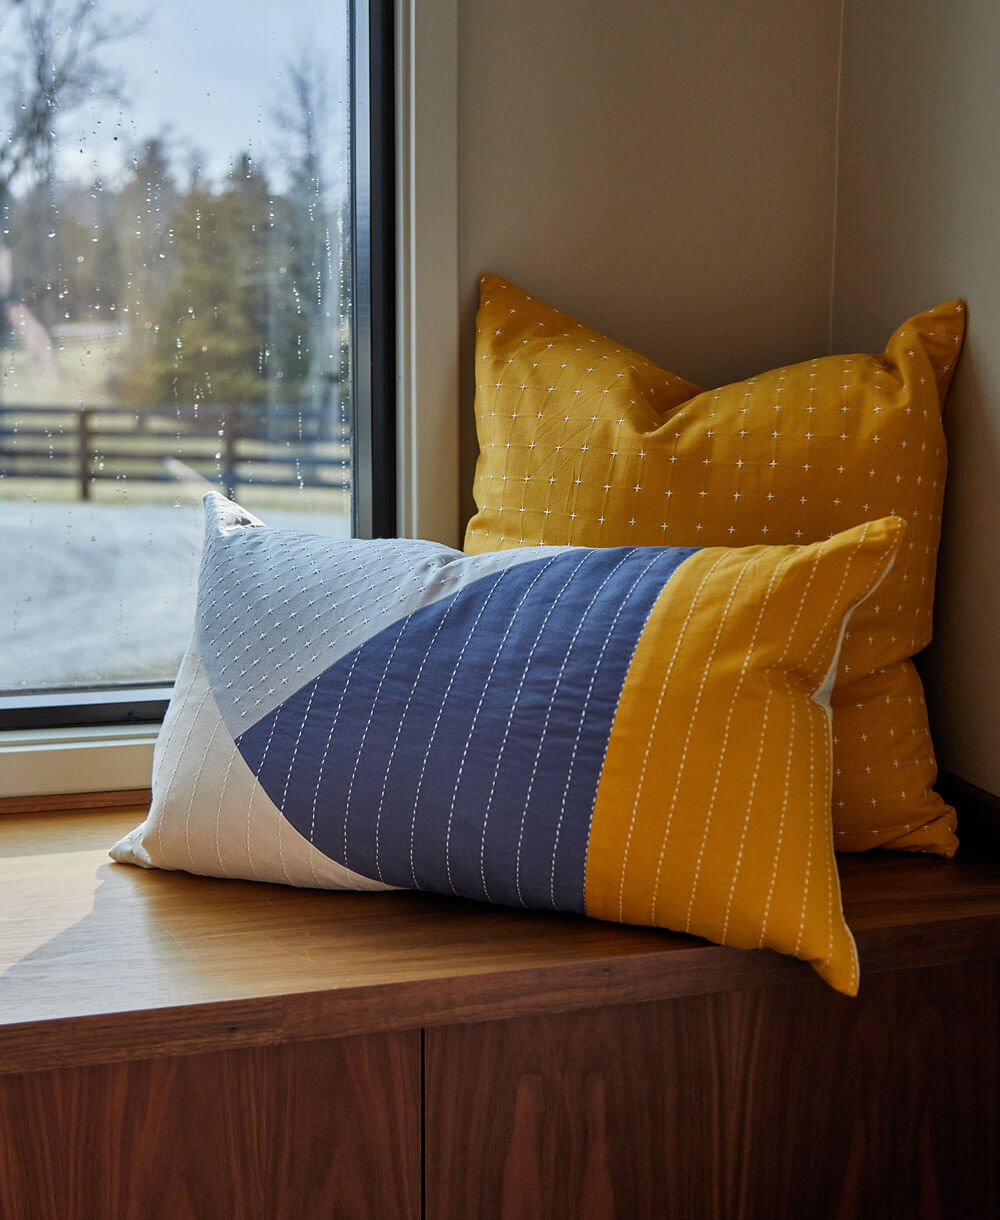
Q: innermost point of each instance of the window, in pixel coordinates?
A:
(39, 761)
(196, 291)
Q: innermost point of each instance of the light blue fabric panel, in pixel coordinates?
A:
(277, 607)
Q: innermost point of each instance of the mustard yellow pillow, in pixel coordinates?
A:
(584, 442)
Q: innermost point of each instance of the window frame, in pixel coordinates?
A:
(373, 268)
(122, 703)
(412, 369)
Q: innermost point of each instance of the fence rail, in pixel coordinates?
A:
(280, 446)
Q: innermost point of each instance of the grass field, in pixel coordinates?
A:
(77, 375)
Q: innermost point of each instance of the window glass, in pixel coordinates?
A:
(175, 311)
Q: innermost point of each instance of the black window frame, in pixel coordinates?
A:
(373, 364)
(373, 263)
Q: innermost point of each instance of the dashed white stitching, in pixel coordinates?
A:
(644, 766)
(792, 705)
(472, 728)
(257, 784)
(402, 720)
(162, 753)
(291, 764)
(807, 874)
(582, 719)
(437, 721)
(194, 787)
(555, 691)
(325, 754)
(746, 820)
(506, 732)
(218, 808)
(364, 737)
(725, 736)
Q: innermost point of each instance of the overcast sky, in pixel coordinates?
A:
(209, 74)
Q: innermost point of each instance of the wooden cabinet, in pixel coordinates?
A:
(311, 1129)
(771, 1104)
(174, 1047)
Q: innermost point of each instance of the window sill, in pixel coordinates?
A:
(103, 963)
(95, 758)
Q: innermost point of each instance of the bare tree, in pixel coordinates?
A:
(51, 60)
(53, 64)
(305, 115)
(314, 145)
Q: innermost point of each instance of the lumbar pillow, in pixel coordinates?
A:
(584, 442)
(636, 734)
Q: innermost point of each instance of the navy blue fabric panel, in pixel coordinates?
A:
(460, 749)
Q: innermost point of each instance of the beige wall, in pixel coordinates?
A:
(665, 171)
(662, 170)
(918, 223)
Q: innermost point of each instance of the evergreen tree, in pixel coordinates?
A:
(216, 334)
(146, 201)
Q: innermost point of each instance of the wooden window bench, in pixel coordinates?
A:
(175, 1047)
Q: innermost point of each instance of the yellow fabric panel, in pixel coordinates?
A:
(713, 809)
(584, 442)
(882, 722)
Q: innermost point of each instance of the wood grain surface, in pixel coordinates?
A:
(75, 802)
(317, 1129)
(781, 1103)
(102, 962)
(174, 1046)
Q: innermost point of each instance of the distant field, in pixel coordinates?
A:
(77, 375)
(103, 590)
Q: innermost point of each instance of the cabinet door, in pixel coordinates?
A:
(780, 1103)
(597, 1115)
(303, 1131)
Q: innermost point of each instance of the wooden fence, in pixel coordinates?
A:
(229, 445)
